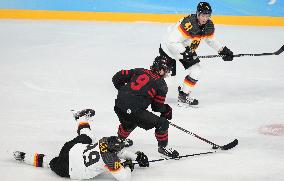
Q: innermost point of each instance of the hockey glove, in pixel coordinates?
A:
(228, 54)
(187, 54)
(128, 163)
(168, 113)
(142, 159)
(188, 58)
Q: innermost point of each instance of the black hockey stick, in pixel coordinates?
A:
(241, 55)
(179, 157)
(215, 146)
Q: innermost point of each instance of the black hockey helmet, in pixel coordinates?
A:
(204, 8)
(161, 62)
(115, 144)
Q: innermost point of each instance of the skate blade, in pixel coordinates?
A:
(164, 156)
(185, 105)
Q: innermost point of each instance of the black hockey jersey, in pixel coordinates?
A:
(138, 88)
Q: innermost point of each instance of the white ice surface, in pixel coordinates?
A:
(50, 67)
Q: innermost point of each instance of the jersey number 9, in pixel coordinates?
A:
(140, 82)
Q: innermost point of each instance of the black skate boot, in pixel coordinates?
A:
(18, 155)
(185, 99)
(168, 152)
(87, 113)
(128, 142)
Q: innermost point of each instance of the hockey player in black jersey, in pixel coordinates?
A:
(137, 89)
(83, 157)
(181, 42)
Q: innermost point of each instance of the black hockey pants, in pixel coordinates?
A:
(146, 120)
(60, 164)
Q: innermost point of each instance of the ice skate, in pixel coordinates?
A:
(18, 155)
(185, 100)
(169, 152)
(85, 114)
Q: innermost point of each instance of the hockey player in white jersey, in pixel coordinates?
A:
(181, 42)
(84, 158)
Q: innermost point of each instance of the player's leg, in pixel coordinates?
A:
(147, 120)
(60, 164)
(127, 125)
(189, 84)
(35, 159)
(84, 118)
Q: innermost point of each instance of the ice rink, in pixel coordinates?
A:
(48, 68)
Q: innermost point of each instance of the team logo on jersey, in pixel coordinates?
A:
(194, 44)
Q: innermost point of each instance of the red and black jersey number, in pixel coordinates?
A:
(140, 81)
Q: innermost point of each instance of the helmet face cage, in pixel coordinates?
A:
(115, 144)
(204, 8)
(160, 63)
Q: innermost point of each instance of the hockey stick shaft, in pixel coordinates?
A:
(179, 157)
(195, 135)
(215, 146)
(241, 55)
(183, 156)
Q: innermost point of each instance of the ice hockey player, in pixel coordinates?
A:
(137, 89)
(181, 42)
(82, 158)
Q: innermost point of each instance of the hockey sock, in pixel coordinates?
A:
(188, 84)
(83, 125)
(36, 160)
(123, 133)
(162, 138)
(85, 128)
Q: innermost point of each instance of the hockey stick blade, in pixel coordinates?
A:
(227, 146)
(279, 51)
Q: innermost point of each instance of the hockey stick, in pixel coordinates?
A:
(241, 55)
(215, 146)
(179, 157)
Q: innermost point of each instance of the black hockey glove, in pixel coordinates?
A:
(187, 55)
(128, 163)
(188, 58)
(228, 54)
(142, 159)
(168, 113)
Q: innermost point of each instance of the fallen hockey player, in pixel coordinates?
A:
(83, 158)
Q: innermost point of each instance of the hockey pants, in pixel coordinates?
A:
(60, 164)
(143, 119)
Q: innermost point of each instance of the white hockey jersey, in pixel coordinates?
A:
(89, 160)
(187, 32)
